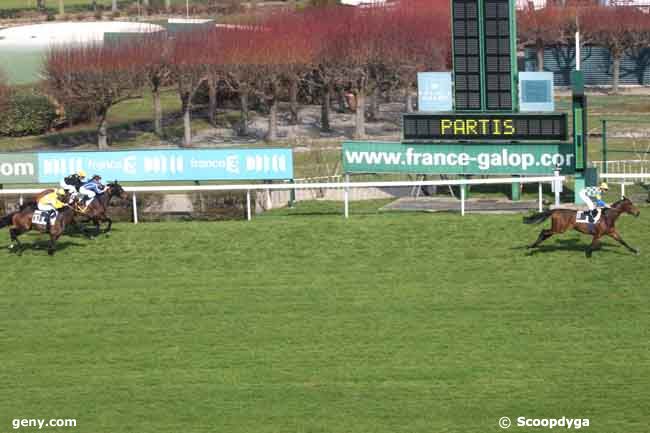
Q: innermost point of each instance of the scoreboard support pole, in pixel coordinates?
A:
(515, 191)
(579, 108)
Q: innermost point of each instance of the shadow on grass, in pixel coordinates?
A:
(576, 244)
(42, 245)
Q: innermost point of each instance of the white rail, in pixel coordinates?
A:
(624, 178)
(623, 166)
(346, 186)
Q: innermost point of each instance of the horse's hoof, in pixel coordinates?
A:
(50, 252)
(637, 252)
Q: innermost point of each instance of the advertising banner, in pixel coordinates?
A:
(18, 168)
(457, 158)
(173, 165)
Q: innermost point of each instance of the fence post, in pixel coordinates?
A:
(292, 196)
(557, 184)
(462, 200)
(604, 141)
(346, 196)
(248, 204)
(135, 209)
(539, 191)
(623, 188)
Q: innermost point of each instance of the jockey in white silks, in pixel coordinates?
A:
(593, 198)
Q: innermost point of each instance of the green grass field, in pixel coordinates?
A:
(312, 323)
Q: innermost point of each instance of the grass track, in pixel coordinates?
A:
(291, 323)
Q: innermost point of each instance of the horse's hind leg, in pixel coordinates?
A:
(543, 235)
(15, 243)
(595, 245)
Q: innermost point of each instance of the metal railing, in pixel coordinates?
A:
(623, 166)
(555, 180)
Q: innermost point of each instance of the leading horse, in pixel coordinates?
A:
(565, 219)
(21, 222)
(97, 209)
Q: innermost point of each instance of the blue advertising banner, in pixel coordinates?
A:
(160, 165)
(434, 91)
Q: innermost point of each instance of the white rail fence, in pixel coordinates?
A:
(555, 181)
(625, 178)
(623, 166)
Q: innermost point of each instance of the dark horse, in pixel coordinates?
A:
(565, 219)
(21, 222)
(97, 209)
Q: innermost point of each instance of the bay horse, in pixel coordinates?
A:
(21, 222)
(565, 219)
(97, 209)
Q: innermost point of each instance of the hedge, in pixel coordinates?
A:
(27, 114)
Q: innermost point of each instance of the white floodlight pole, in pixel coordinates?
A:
(577, 43)
(577, 51)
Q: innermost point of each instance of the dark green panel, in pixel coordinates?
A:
(18, 168)
(457, 158)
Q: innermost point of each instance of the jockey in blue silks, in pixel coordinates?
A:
(90, 189)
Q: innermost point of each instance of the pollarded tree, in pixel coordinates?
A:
(238, 73)
(542, 27)
(297, 46)
(154, 60)
(416, 39)
(5, 91)
(260, 59)
(614, 28)
(354, 50)
(188, 64)
(323, 23)
(94, 76)
(348, 52)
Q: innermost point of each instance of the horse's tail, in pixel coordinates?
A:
(7, 220)
(538, 217)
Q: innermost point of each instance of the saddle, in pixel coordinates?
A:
(40, 217)
(582, 216)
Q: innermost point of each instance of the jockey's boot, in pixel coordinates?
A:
(48, 218)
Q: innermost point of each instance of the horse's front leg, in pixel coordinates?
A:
(595, 245)
(543, 235)
(51, 245)
(97, 222)
(616, 235)
(110, 224)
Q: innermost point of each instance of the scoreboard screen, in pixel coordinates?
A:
(485, 127)
(498, 77)
(467, 55)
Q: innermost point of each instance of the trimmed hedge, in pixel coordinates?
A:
(27, 114)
